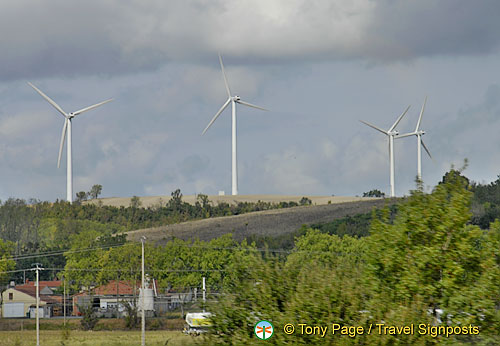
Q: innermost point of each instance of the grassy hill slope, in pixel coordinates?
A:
(262, 223)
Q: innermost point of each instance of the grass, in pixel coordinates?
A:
(101, 338)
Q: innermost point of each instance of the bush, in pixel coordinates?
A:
(132, 318)
(89, 319)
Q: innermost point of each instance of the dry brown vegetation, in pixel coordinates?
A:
(151, 201)
(262, 223)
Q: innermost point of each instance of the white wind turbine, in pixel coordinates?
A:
(67, 131)
(233, 100)
(391, 133)
(420, 143)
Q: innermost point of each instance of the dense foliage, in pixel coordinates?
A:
(177, 265)
(40, 227)
(428, 265)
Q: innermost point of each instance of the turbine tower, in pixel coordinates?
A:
(233, 100)
(66, 132)
(391, 133)
(420, 143)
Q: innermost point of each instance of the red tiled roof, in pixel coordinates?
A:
(31, 291)
(54, 283)
(124, 288)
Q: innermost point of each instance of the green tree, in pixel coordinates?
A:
(6, 263)
(81, 196)
(429, 258)
(95, 191)
(82, 260)
(305, 201)
(89, 317)
(175, 201)
(374, 193)
(135, 202)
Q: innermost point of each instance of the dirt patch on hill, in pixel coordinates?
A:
(151, 201)
(262, 223)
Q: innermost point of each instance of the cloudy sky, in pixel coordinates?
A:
(318, 66)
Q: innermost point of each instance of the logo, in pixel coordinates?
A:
(264, 330)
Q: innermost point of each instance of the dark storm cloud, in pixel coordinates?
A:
(71, 38)
(409, 29)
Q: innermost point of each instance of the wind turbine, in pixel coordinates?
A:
(233, 100)
(420, 143)
(66, 131)
(391, 133)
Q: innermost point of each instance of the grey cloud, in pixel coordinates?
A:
(409, 29)
(60, 38)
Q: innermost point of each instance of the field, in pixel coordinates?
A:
(104, 338)
(150, 201)
(262, 223)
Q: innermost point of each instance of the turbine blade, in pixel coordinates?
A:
(48, 99)
(63, 137)
(398, 120)
(251, 105)
(216, 115)
(420, 117)
(427, 150)
(406, 135)
(375, 127)
(91, 107)
(224, 75)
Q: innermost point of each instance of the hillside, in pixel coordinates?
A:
(151, 201)
(262, 223)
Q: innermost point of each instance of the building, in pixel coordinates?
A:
(20, 300)
(108, 298)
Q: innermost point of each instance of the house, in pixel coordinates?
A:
(20, 300)
(108, 298)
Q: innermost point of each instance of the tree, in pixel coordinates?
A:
(6, 263)
(374, 193)
(135, 202)
(176, 201)
(431, 256)
(305, 201)
(95, 191)
(89, 318)
(81, 196)
(132, 316)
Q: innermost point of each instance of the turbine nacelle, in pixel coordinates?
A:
(236, 98)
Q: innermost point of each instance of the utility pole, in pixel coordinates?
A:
(143, 314)
(37, 269)
(204, 294)
(64, 300)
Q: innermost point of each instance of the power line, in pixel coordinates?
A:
(205, 247)
(124, 270)
(62, 252)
